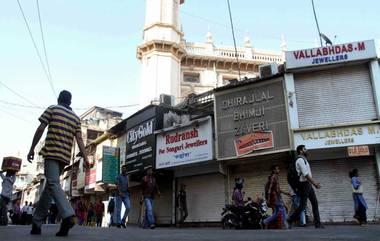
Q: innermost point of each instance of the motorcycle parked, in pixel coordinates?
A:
(250, 216)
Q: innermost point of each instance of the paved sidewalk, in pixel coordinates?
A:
(331, 233)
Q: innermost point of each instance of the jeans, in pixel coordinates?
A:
(149, 218)
(279, 208)
(127, 204)
(53, 189)
(295, 203)
(307, 192)
(4, 210)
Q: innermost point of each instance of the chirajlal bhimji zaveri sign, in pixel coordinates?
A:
(251, 119)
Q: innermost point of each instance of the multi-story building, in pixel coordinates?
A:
(173, 66)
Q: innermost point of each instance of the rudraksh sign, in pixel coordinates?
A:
(331, 54)
(358, 151)
(184, 145)
(251, 119)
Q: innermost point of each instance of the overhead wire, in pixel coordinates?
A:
(17, 94)
(16, 116)
(43, 43)
(35, 47)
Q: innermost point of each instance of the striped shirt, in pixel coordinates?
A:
(63, 124)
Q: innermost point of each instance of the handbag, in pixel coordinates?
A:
(359, 190)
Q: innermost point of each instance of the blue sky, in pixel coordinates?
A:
(91, 46)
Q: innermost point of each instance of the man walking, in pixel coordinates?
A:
(99, 212)
(274, 197)
(149, 190)
(63, 125)
(306, 190)
(182, 203)
(6, 194)
(111, 210)
(122, 196)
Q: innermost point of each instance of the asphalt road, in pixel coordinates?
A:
(331, 233)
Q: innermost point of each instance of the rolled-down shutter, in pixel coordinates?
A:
(335, 96)
(205, 197)
(335, 196)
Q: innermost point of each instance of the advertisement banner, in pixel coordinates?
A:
(339, 53)
(339, 136)
(140, 147)
(81, 175)
(358, 151)
(111, 164)
(185, 145)
(90, 179)
(254, 141)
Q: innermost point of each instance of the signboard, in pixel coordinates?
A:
(99, 162)
(358, 151)
(254, 141)
(81, 175)
(339, 136)
(249, 114)
(111, 164)
(90, 178)
(140, 146)
(330, 54)
(185, 145)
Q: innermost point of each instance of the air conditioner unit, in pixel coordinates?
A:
(168, 100)
(267, 70)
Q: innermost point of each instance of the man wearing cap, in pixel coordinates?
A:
(63, 126)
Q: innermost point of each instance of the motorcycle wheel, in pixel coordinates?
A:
(229, 221)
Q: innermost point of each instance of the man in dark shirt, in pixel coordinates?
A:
(63, 126)
(149, 190)
(182, 203)
(122, 196)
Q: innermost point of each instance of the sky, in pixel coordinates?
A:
(91, 48)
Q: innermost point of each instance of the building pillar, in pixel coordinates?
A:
(290, 95)
(375, 78)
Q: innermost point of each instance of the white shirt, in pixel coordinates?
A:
(30, 210)
(303, 169)
(24, 209)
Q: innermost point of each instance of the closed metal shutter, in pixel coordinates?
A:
(162, 206)
(256, 176)
(135, 195)
(205, 197)
(335, 96)
(335, 196)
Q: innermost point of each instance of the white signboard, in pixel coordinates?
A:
(339, 137)
(330, 54)
(189, 144)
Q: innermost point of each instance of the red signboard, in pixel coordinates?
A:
(358, 151)
(254, 141)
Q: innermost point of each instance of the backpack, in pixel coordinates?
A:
(293, 177)
(111, 206)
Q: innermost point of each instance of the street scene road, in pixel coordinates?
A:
(330, 233)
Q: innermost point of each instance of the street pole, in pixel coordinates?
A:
(316, 21)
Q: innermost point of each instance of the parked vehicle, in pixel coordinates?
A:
(249, 216)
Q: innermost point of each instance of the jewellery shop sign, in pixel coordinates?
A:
(251, 119)
(339, 136)
(184, 145)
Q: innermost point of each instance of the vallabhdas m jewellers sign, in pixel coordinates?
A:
(330, 54)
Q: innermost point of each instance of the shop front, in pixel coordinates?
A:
(333, 103)
(187, 149)
(140, 154)
(252, 133)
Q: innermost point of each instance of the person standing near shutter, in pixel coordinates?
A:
(306, 190)
(63, 126)
(360, 205)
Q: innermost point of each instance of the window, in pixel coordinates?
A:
(191, 77)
